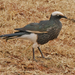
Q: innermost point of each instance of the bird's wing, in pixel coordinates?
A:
(40, 27)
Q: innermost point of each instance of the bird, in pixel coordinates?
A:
(39, 33)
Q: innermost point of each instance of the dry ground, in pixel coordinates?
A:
(16, 55)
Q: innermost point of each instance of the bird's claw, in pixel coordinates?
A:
(44, 58)
(35, 60)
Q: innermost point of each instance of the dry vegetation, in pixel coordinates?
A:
(16, 55)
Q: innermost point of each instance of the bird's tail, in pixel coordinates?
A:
(11, 36)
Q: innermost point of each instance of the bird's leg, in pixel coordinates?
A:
(34, 55)
(41, 52)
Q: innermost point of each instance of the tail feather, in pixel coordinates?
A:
(11, 36)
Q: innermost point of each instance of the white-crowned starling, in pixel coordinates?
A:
(39, 33)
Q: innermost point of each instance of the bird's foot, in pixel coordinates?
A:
(44, 58)
(35, 60)
(47, 58)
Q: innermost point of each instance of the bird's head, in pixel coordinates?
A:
(57, 15)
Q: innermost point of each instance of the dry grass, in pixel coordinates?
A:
(16, 57)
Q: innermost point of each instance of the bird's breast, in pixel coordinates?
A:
(45, 37)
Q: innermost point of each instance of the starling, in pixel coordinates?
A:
(39, 33)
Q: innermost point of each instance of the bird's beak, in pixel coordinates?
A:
(71, 19)
(64, 17)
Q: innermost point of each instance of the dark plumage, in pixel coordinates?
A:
(39, 33)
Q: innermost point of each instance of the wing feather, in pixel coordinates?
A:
(40, 27)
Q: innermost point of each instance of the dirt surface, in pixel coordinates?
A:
(16, 54)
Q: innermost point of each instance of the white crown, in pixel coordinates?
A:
(57, 13)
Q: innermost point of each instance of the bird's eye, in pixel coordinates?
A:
(57, 15)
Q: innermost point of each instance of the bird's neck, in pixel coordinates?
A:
(54, 18)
